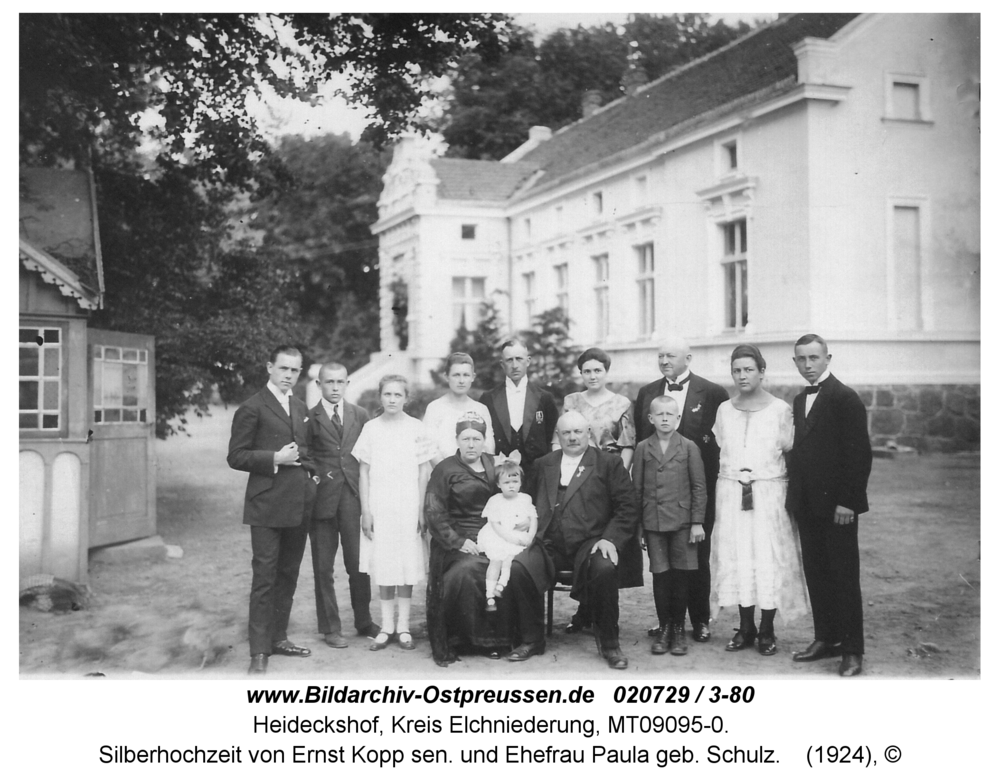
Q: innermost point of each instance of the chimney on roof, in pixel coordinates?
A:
(590, 102)
(633, 79)
(537, 134)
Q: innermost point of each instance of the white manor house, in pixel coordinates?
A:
(820, 174)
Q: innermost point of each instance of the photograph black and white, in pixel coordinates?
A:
(471, 346)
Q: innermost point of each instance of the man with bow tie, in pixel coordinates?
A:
(828, 471)
(268, 441)
(334, 427)
(698, 400)
(588, 523)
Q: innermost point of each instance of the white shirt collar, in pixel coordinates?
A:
(518, 387)
(330, 407)
(823, 377)
(282, 397)
(682, 377)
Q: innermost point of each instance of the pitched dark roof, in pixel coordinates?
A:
(58, 216)
(759, 61)
(481, 180)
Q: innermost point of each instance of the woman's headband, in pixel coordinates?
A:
(470, 421)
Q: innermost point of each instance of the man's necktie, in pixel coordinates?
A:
(812, 389)
(335, 418)
(677, 386)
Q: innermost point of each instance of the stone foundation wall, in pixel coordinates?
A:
(925, 417)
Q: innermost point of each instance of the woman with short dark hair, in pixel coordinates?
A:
(756, 557)
(608, 414)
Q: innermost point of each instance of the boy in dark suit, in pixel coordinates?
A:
(269, 442)
(334, 427)
(698, 400)
(523, 414)
(670, 487)
(828, 471)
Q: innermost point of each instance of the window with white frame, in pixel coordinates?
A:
(530, 297)
(468, 231)
(601, 300)
(562, 286)
(40, 378)
(907, 97)
(558, 219)
(597, 202)
(468, 295)
(527, 229)
(734, 273)
(647, 290)
(906, 268)
(121, 383)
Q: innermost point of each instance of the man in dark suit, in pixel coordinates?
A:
(523, 414)
(334, 427)
(269, 442)
(699, 400)
(588, 523)
(828, 473)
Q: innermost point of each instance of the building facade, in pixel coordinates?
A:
(820, 174)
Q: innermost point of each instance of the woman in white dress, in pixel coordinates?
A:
(444, 413)
(756, 557)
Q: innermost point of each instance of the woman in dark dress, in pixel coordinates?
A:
(458, 490)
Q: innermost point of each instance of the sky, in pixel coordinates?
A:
(279, 117)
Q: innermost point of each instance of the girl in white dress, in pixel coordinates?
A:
(443, 413)
(511, 523)
(756, 556)
(395, 454)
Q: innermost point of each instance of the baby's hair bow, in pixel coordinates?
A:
(514, 458)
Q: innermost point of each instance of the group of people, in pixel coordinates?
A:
(736, 501)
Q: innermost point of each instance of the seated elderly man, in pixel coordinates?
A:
(587, 522)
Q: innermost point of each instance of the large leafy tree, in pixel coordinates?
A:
(157, 106)
(494, 99)
(322, 227)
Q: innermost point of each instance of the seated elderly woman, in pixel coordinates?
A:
(457, 493)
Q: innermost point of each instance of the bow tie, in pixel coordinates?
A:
(812, 389)
(677, 386)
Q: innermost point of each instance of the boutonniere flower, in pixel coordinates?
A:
(539, 417)
(579, 471)
(696, 408)
(305, 420)
(705, 438)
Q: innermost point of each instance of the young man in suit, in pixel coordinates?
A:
(698, 400)
(523, 414)
(269, 442)
(334, 427)
(588, 523)
(828, 474)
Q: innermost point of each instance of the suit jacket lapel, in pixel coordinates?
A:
(583, 472)
(503, 414)
(272, 403)
(818, 409)
(319, 412)
(552, 483)
(695, 396)
(531, 398)
(350, 421)
(665, 456)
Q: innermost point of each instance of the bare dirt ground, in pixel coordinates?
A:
(187, 617)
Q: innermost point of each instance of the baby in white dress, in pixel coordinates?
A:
(511, 523)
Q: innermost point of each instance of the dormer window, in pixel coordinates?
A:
(727, 157)
(468, 231)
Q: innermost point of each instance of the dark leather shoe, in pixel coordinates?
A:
(850, 665)
(258, 664)
(661, 643)
(576, 625)
(334, 640)
(525, 651)
(767, 644)
(816, 651)
(741, 640)
(656, 630)
(616, 658)
(286, 647)
(371, 631)
(678, 642)
(701, 633)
